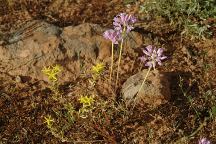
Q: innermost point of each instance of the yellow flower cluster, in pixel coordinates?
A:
(98, 68)
(87, 106)
(86, 101)
(52, 72)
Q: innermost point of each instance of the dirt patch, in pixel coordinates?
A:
(34, 111)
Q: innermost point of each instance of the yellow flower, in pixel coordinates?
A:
(98, 68)
(56, 69)
(52, 72)
(86, 101)
(48, 120)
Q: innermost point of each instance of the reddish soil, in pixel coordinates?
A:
(184, 119)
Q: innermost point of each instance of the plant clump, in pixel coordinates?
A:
(190, 17)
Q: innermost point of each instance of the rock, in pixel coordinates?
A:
(18, 79)
(28, 56)
(154, 92)
(133, 41)
(47, 45)
(85, 40)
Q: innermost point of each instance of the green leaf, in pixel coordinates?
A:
(213, 111)
(128, 1)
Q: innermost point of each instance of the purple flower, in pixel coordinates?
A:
(112, 35)
(152, 56)
(204, 141)
(124, 20)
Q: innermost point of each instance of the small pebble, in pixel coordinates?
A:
(18, 79)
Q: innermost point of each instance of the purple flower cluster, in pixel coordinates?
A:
(152, 56)
(122, 23)
(112, 35)
(204, 141)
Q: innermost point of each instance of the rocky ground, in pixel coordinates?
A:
(176, 105)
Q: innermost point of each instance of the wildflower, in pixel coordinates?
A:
(56, 69)
(87, 106)
(123, 22)
(48, 120)
(153, 56)
(204, 141)
(86, 101)
(52, 72)
(112, 35)
(98, 68)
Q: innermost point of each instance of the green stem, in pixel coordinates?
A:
(144, 79)
(120, 54)
(119, 61)
(111, 67)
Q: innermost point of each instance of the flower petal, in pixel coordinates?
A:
(163, 57)
(143, 59)
(149, 48)
(159, 63)
(160, 51)
(149, 64)
(133, 19)
(147, 53)
(129, 28)
(154, 51)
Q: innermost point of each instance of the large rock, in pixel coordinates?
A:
(47, 44)
(29, 55)
(85, 40)
(154, 92)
